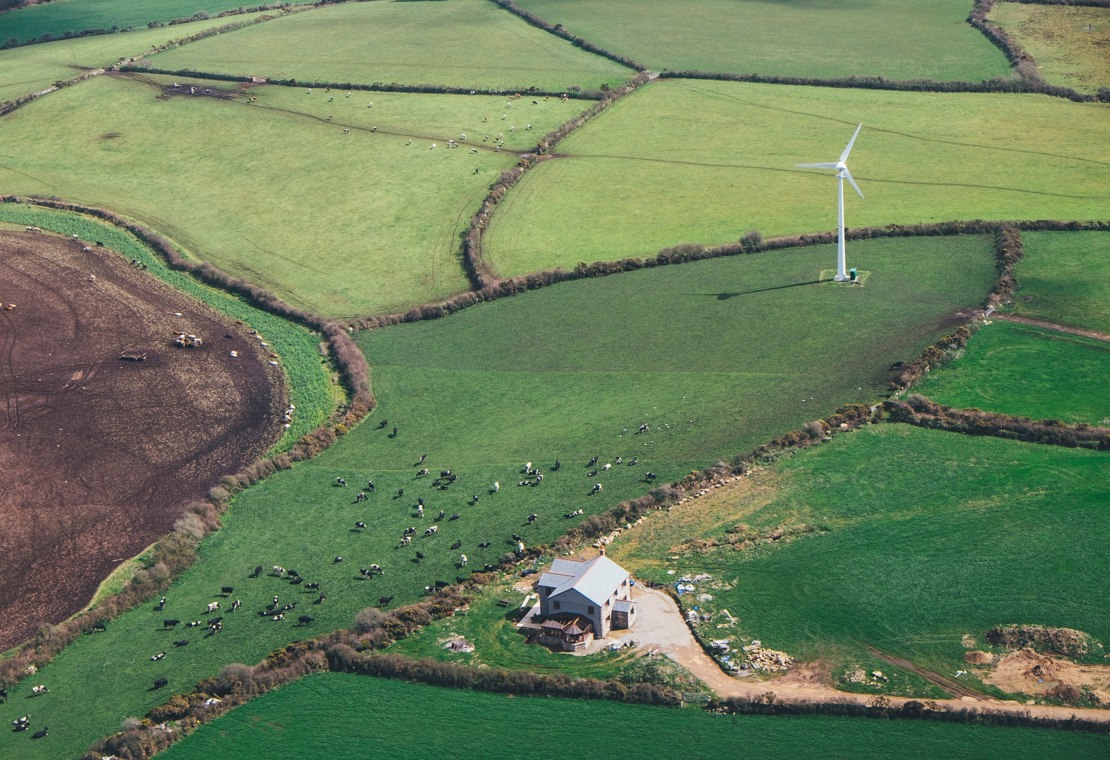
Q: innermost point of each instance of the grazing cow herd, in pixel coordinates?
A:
(531, 476)
(275, 611)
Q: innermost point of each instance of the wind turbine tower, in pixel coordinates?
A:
(842, 173)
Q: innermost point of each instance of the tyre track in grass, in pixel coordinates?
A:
(1080, 331)
(954, 688)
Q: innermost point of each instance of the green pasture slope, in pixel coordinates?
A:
(454, 43)
(922, 536)
(358, 717)
(565, 372)
(890, 38)
(716, 356)
(683, 161)
(1030, 372)
(307, 381)
(32, 68)
(1068, 43)
(1065, 279)
(337, 224)
(60, 16)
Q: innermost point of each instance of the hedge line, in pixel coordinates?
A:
(559, 31)
(353, 651)
(920, 411)
(1024, 85)
(125, 64)
(480, 272)
(1008, 252)
(198, 16)
(752, 242)
(430, 89)
(1083, 3)
(1024, 65)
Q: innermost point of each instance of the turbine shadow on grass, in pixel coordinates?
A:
(725, 296)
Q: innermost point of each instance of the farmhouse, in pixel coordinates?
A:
(581, 601)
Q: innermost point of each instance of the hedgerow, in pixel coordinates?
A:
(920, 411)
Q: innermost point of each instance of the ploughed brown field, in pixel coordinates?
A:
(99, 453)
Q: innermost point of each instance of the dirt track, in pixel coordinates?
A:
(660, 626)
(98, 455)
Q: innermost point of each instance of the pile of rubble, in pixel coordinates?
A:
(767, 660)
(456, 643)
(858, 676)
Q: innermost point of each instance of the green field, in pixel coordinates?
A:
(60, 16)
(717, 356)
(349, 204)
(308, 383)
(1029, 372)
(694, 161)
(24, 70)
(1068, 43)
(565, 372)
(454, 43)
(1065, 279)
(358, 717)
(888, 38)
(337, 224)
(918, 538)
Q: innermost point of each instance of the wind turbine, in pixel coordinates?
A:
(842, 173)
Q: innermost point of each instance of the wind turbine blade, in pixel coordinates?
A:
(848, 175)
(844, 155)
(816, 166)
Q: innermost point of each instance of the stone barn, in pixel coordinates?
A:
(584, 600)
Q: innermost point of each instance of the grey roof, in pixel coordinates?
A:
(596, 579)
(624, 605)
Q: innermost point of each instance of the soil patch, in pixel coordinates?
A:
(106, 428)
(1029, 672)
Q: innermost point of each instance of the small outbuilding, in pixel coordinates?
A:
(584, 600)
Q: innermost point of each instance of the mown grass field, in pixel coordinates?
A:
(32, 68)
(456, 43)
(1068, 43)
(566, 372)
(887, 38)
(695, 161)
(1027, 371)
(60, 16)
(308, 381)
(357, 717)
(1065, 278)
(337, 224)
(918, 538)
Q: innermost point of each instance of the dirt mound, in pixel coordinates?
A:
(978, 657)
(106, 429)
(1064, 641)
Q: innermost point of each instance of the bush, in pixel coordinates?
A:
(370, 619)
